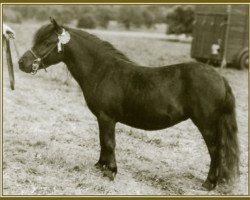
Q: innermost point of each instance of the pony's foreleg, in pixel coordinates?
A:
(107, 161)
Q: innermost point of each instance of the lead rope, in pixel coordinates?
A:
(16, 49)
(15, 45)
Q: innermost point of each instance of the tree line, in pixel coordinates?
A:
(178, 18)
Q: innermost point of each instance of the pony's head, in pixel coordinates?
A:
(47, 48)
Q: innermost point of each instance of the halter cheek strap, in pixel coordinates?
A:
(38, 61)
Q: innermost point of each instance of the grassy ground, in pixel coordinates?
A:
(50, 138)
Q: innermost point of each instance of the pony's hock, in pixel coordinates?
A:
(118, 90)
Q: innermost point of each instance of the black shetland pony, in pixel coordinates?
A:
(118, 90)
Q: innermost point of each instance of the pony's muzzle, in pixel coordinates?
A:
(22, 65)
(25, 62)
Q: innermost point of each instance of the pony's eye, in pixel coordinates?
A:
(47, 43)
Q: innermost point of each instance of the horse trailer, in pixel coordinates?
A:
(220, 35)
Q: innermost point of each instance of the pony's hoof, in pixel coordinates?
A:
(108, 171)
(208, 185)
(110, 174)
(99, 165)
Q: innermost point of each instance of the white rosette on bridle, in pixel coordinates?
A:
(63, 38)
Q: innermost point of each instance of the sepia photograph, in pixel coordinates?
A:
(125, 99)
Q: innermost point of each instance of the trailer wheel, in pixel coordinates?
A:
(244, 61)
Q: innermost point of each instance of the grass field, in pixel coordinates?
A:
(51, 142)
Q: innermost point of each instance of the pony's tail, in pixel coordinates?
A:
(229, 146)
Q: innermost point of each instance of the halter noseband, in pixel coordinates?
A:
(63, 38)
(38, 61)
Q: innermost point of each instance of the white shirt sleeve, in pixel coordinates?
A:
(7, 30)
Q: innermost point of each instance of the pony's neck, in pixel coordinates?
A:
(86, 54)
(78, 59)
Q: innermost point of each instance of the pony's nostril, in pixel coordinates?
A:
(20, 61)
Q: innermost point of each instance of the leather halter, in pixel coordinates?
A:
(38, 61)
(63, 39)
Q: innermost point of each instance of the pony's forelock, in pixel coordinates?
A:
(43, 33)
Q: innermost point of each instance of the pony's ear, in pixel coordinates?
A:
(55, 25)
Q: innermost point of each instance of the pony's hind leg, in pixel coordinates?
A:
(107, 161)
(211, 140)
(211, 137)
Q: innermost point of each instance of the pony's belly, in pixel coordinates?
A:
(152, 122)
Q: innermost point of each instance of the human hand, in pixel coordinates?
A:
(8, 32)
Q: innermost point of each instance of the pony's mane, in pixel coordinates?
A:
(103, 45)
(45, 31)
